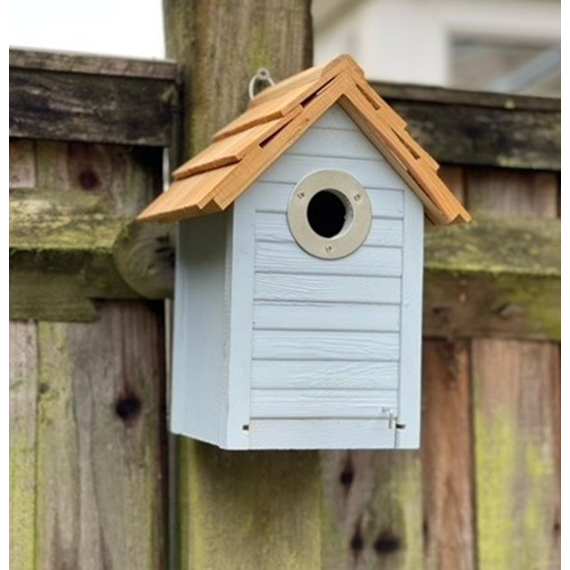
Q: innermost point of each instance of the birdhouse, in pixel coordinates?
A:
(298, 294)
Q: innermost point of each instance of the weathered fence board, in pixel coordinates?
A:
(248, 510)
(69, 97)
(69, 226)
(447, 464)
(480, 129)
(372, 512)
(100, 434)
(495, 192)
(517, 511)
(23, 442)
(517, 474)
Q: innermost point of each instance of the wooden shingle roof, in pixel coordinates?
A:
(275, 119)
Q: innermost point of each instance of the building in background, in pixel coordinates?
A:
(503, 45)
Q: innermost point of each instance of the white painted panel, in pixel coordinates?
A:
(241, 318)
(321, 374)
(273, 227)
(330, 288)
(410, 365)
(322, 403)
(199, 362)
(365, 261)
(331, 345)
(335, 143)
(336, 118)
(290, 168)
(274, 197)
(321, 434)
(323, 316)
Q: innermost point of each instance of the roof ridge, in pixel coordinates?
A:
(276, 119)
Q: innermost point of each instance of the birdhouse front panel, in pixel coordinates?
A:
(299, 271)
(321, 342)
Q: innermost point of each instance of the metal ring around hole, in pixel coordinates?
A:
(358, 217)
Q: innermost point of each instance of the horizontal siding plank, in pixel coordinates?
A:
(386, 202)
(322, 403)
(273, 227)
(290, 168)
(328, 288)
(321, 434)
(324, 375)
(299, 345)
(365, 261)
(346, 317)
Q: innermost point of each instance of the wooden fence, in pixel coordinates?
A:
(95, 481)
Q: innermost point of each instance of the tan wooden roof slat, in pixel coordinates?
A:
(424, 175)
(270, 110)
(184, 195)
(253, 165)
(364, 115)
(234, 148)
(279, 116)
(322, 74)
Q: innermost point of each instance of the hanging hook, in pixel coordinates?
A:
(262, 75)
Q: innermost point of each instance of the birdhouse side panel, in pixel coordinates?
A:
(200, 365)
(326, 333)
(409, 405)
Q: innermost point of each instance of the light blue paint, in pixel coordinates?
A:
(276, 349)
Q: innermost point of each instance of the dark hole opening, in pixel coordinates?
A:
(326, 213)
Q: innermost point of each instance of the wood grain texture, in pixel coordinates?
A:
(273, 34)
(494, 192)
(277, 530)
(330, 288)
(22, 164)
(328, 345)
(463, 133)
(323, 317)
(318, 374)
(515, 454)
(446, 452)
(23, 442)
(350, 403)
(92, 64)
(232, 516)
(515, 386)
(69, 234)
(114, 109)
(364, 262)
(100, 434)
(321, 433)
(372, 514)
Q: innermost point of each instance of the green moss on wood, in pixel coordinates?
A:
(249, 510)
(528, 247)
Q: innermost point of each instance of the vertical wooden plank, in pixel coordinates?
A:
(240, 510)
(22, 164)
(515, 469)
(449, 533)
(514, 388)
(247, 510)
(23, 395)
(100, 440)
(496, 192)
(371, 510)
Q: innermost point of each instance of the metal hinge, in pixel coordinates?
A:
(393, 422)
